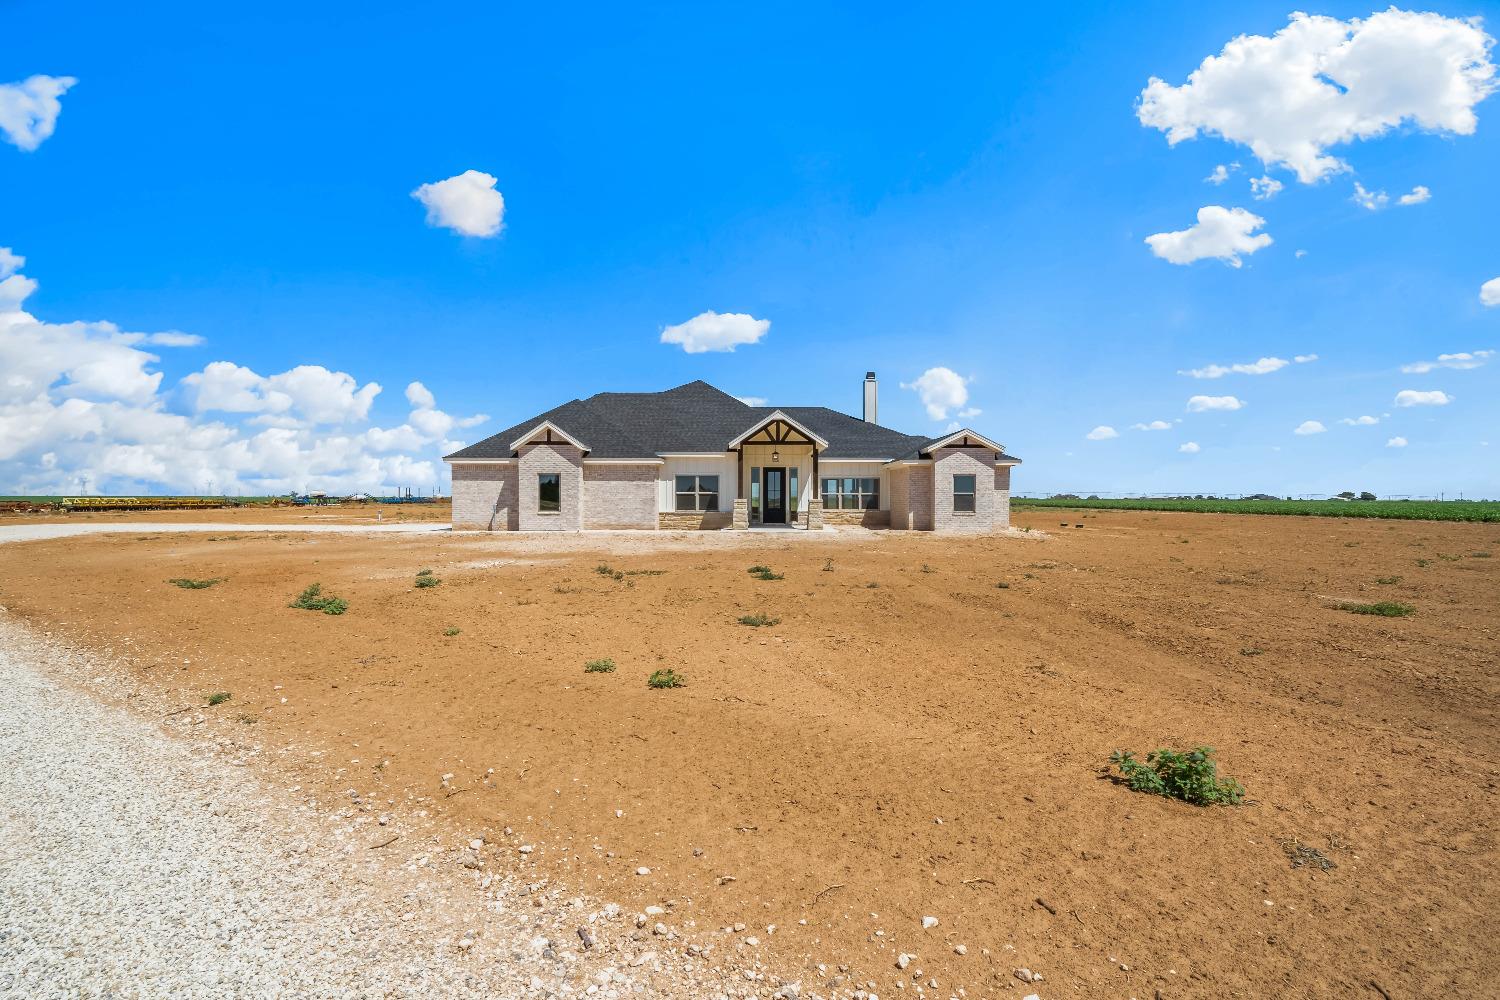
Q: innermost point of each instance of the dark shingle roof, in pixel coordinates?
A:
(695, 417)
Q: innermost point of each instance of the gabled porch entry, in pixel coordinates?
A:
(778, 471)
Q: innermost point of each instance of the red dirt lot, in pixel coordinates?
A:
(911, 738)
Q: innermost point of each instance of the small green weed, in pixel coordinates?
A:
(423, 582)
(765, 573)
(247, 718)
(1479, 555)
(219, 698)
(1251, 650)
(1192, 777)
(1385, 609)
(758, 620)
(1002, 585)
(312, 599)
(450, 632)
(1387, 580)
(604, 666)
(666, 679)
(604, 569)
(424, 572)
(645, 572)
(1424, 563)
(187, 584)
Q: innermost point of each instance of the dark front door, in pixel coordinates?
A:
(775, 496)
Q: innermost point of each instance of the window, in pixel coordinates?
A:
(697, 492)
(755, 494)
(963, 494)
(549, 492)
(792, 491)
(851, 494)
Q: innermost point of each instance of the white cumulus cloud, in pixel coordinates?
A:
(1189, 448)
(1364, 421)
(752, 400)
(83, 405)
(1462, 361)
(1102, 433)
(1321, 82)
(1155, 425)
(941, 389)
(1416, 195)
(1417, 397)
(1396, 442)
(1310, 427)
(467, 204)
(1263, 366)
(1220, 233)
(1265, 187)
(1219, 176)
(1373, 200)
(1489, 292)
(1204, 404)
(712, 331)
(29, 109)
(1303, 359)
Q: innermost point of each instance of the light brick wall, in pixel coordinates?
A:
(484, 497)
(919, 497)
(1002, 496)
(950, 462)
(619, 496)
(561, 458)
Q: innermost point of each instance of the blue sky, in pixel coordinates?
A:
(969, 190)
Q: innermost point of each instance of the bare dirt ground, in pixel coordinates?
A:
(910, 740)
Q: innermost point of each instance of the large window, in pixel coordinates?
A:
(851, 494)
(697, 492)
(963, 494)
(549, 492)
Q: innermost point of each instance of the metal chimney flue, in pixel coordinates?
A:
(870, 393)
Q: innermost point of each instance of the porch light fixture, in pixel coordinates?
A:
(775, 455)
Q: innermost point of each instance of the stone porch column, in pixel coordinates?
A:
(815, 514)
(740, 519)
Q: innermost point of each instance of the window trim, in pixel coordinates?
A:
(541, 502)
(838, 498)
(697, 493)
(972, 493)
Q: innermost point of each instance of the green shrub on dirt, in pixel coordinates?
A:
(423, 582)
(1192, 776)
(764, 573)
(312, 599)
(219, 697)
(759, 620)
(602, 666)
(1385, 609)
(666, 679)
(450, 632)
(188, 584)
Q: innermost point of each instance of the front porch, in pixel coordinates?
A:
(777, 472)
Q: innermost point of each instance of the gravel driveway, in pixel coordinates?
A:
(135, 863)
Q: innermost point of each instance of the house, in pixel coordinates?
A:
(697, 457)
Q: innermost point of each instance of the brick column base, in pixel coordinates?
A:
(815, 514)
(740, 520)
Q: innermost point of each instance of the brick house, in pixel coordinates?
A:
(697, 457)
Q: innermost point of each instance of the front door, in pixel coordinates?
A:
(775, 496)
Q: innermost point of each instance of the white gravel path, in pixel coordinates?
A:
(137, 863)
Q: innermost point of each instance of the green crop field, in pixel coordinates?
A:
(1408, 510)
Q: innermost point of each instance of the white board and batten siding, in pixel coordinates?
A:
(722, 466)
